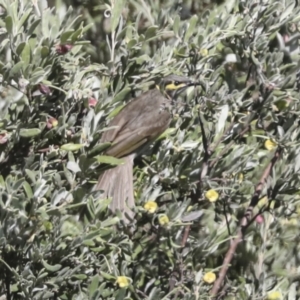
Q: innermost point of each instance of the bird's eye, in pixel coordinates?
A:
(176, 82)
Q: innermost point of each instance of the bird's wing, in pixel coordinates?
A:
(133, 137)
(128, 114)
(137, 123)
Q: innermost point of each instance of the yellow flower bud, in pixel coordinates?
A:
(212, 195)
(262, 202)
(275, 295)
(241, 177)
(150, 207)
(54, 123)
(123, 281)
(48, 226)
(189, 208)
(270, 145)
(209, 277)
(163, 220)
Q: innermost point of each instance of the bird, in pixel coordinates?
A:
(138, 124)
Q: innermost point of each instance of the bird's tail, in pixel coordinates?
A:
(117, 183)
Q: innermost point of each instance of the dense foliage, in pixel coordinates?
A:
(67, 67)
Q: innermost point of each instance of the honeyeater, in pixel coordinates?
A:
(141, 121)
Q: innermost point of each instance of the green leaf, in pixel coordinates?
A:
(26, 54)
(86, 28)
(80, 276)
(192, 24)
(37, 76)
(20, 48)
(66, 35)
(110, 222)
(18, 184)
(142, 59)
(121, 293)
(71, 147)
(76, 35)
(69, 176)
(31, 175)
(33, 26)
(45, 52)
(176, 25)
(50, 268)
(2, 182)
(27, 189)
(116, 111)
(121, 95)
(132, 43)
(151, 32)
(25, 16)
(32, 132)
(4, 43)
(107, 276)
(16, 68)
(222, 118)
(287, 14)
(110, 160)
(98, 149)
(166, 133)
(9, 24)
(116, 13)
(92, 288)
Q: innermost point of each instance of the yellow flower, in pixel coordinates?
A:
(203, 52)
(150, 207)
(209, 277)
(274, 295)
(270, 145)
(163, 220)
(123, 281)
(212, 195)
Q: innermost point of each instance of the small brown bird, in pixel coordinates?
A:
(141, 121)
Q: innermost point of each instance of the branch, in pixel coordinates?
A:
(246, 220)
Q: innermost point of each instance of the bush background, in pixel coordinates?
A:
(57, 241)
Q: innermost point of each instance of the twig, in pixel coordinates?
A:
(222, 137)
(202, 175)
(246, 220)
(185, 236)
(207, 153)
(228, 146)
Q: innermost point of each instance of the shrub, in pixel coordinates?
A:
(66, 72)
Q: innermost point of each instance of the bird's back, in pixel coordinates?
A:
(140, 121)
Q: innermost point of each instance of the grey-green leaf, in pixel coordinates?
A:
(51, 268)
(110, 160)
(27, 133)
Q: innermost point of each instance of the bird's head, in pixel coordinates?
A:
(173, 85)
